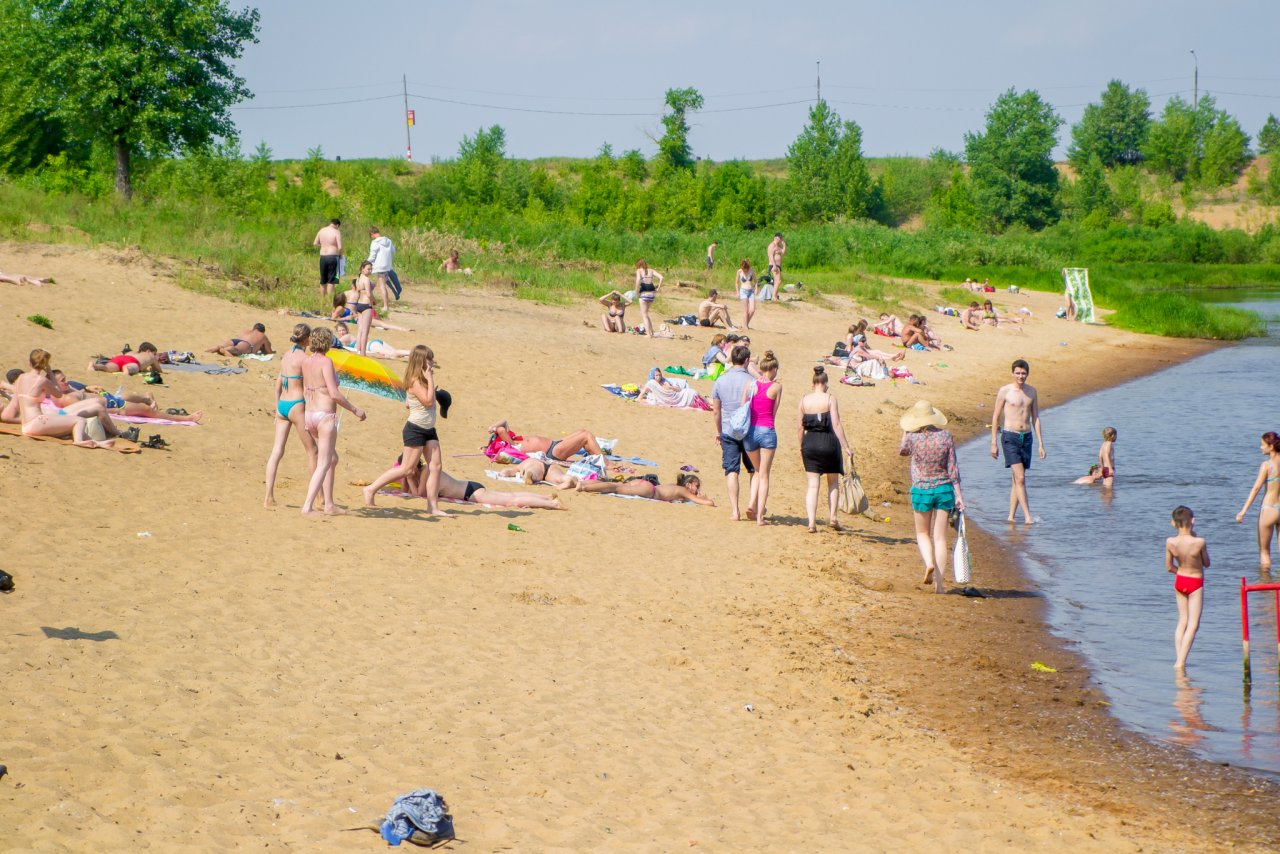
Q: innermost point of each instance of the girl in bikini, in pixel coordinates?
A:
(363, 307)
(34, 387)
(419, 433)
(341, 311)
(686, 488)
(614, 318)
(647, 289)
(375, 347)
(478, 493)
(290, 409)
(747, 292)
(1268, 483)
(320, 417)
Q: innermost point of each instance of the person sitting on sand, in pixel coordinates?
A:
(145, 358)
(376, 347)
(614, 318)
(889, 326)
(558, 449)
(971, 317)
(659, 391)
(343, 312)
(131, 404)
(993, 317)
(34, 387)
(477, 493)
(252, 341)
(686, 488)
(716, 352)
(860, 353)
(19, 279)
(711, 312)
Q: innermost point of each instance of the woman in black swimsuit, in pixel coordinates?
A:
(647, 291)
(823, 446)
(363, 307)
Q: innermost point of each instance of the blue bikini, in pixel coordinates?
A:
(284, 407)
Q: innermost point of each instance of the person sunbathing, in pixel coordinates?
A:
(534, 471)
(477, 493)
(128, 403)
(342, 311)
(859, 352)
(19, 279)
(614, 318)
(375, 347)
(145, 358)
(33, 388)
(971, 317)
(889, 326)
(686, 488)
(559, 449)
(659, 391)
(252, 342)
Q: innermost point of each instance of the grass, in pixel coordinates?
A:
(41, 320)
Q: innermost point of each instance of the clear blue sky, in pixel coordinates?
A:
(914, 75)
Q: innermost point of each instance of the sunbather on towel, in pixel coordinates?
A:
(34, 387)
(659, 391)
(470, 490)
(251, 341)
(560, 449)
(128, 403)
(686, 488)
(375, 347)
(145, 358)
(534, 470)
(19, 279)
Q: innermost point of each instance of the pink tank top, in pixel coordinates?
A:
(762, 406)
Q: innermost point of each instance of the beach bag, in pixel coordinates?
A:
(853, 498)
(739, 423)
(590, 467)
(714, 370)
(960, 564)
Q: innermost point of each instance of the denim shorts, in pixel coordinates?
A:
(761, 437)
(733, 455)
(935, 498)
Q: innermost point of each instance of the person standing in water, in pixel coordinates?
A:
(1015, 426)
(1268, 483)
(1187, 557)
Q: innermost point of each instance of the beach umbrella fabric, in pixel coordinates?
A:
(361, 373)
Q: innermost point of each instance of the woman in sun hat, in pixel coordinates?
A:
(935, 484)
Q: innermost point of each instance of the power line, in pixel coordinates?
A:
(648, 98)
(323, 104)
(326, 88)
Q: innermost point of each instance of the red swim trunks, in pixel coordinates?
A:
(1187, 584)
(123, 361)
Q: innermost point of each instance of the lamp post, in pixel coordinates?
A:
(1195, 98)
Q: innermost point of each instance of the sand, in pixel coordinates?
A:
(624, 675)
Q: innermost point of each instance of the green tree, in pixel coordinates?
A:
(477, 173)
(1225, 150)
(1269, 136)
(952, 206)
(827, 176)
(1090, 194)
(1011, 163)
(673, 148)
(1114, 129)
(143, 77)
(1173, 143)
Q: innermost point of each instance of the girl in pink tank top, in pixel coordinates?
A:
(762, 440)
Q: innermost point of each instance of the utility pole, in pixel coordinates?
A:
(819, 81)
(1195, 99)
(408, 119)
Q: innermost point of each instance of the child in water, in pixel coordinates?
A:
(1105, 469)
(1187, 556)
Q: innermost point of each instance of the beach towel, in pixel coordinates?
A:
(139, 419)
(258, 357)
(1076, 283)
(503, 452)
(627, 392)
(124, 446)
(421, 810)
(201, 368)
(496, 475)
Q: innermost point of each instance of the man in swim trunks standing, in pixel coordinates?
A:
(777, 249)
(1187, 557)
(1015, 426)
(329, 239)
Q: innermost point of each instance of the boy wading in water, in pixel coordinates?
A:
(1187, 556)
(1015, 417)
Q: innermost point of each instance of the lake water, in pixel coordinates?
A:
(1188, 435)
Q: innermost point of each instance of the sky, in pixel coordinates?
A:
(914, 75)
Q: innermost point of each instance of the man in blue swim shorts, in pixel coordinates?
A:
(1015, 428)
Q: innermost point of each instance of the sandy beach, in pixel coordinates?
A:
(626, 675)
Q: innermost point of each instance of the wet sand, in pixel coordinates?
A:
(251, 678)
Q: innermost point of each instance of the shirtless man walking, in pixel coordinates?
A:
(329, 239)
(1015, 417)
(777, 249)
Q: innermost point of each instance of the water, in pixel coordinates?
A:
(1188, 435)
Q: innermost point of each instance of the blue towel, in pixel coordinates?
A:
(422, 810)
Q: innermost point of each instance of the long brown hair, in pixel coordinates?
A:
(418, 359)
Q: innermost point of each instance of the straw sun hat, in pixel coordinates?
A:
(922, 415)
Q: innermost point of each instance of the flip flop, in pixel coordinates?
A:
(176, 411)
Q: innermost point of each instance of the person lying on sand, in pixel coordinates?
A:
(534, 471)
(659, 391)
(375, 347)
(19, 279)
(560, 449)
(145, 358)
(129, 403)
(34, 387)
(686, 488)
(252, 341)
(342, 311)
(860, 352)
(477, 493)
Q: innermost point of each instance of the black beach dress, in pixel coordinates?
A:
(820, 449)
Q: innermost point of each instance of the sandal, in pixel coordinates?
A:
(131, 434)
(156, 441)
(176, 411)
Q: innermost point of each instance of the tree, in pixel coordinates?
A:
(1011, 164)
(673, 148)
(1225, 150)
(827, 176)
(1197, 143)
(476, 174)
(1269, 136)
(1173, 142)
(1114, 129)
(1090, 193)
(143, 77)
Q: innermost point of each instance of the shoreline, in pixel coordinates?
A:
(615, 656)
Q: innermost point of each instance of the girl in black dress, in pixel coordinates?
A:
(823, 446)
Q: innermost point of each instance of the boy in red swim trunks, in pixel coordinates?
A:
(144, 359)
(1187, 556)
